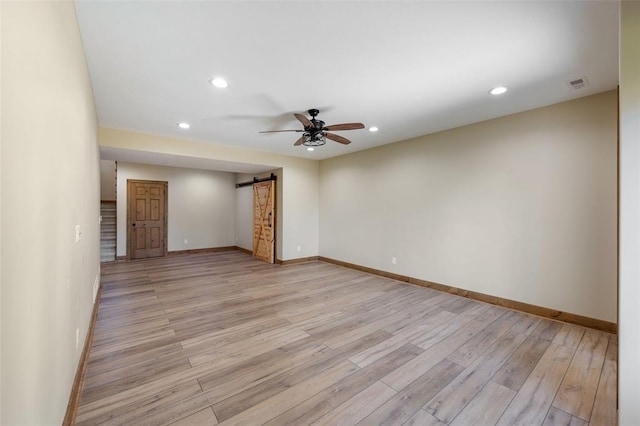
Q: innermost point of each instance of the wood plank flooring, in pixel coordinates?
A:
(222, 338)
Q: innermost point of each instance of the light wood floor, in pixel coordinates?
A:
(222, 338)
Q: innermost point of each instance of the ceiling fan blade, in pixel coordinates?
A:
(304, 120)
(344, 126)
(299, 141)
(279, 131)
(337, 138)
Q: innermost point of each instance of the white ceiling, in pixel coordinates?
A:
(410, 68)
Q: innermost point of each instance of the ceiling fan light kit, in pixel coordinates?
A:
(315, 133)
(314, 140)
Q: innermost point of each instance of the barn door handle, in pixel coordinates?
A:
(269, 220)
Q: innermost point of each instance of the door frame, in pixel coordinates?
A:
(165, 218)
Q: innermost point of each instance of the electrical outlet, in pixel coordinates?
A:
(78, 233)
(77, 337)
(394, 260)
(186, 241)
(299, 248)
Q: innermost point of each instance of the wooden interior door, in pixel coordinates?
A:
(146, 219)
(264, 221)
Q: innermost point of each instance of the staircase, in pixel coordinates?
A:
(108, 232)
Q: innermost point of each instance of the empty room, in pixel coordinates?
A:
(328, 213)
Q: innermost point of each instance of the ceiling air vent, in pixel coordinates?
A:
(578, 83)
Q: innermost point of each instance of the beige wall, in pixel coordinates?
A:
(629, 317)
(244, 217)
(107, 180)
(299, 181)
(0, 210)
(522, 207)
(300, 210)
(201, 205)
(50, 184)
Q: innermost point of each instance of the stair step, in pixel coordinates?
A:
(108, 232)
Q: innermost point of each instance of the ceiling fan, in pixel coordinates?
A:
(315, 133)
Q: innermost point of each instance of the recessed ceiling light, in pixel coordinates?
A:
(219, 82)
(498, 90)
(310, 148)
(184, 125)
(373, 129)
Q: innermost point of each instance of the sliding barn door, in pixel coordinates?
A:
(147, 227)
(264, 220)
